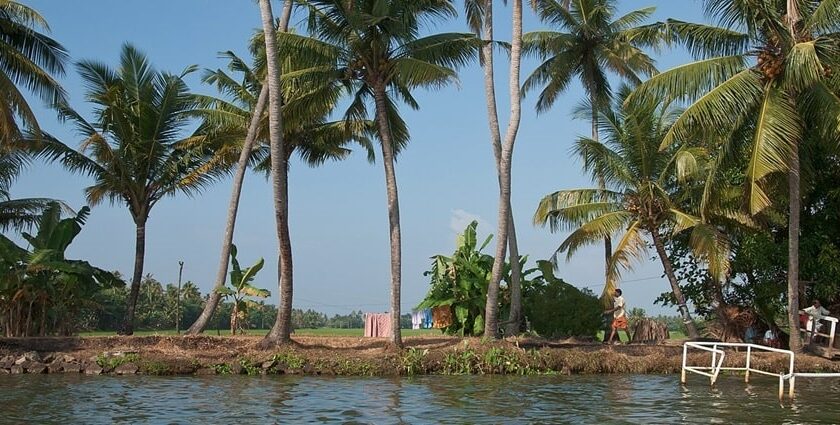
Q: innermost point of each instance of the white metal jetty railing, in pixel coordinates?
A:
(718, 355)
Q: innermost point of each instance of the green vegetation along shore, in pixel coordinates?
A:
(354, 356)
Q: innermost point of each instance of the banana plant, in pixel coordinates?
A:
(41, 290)
(241, 287)
(460, 281)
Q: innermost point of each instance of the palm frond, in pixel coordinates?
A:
(595, 231)
(568, 209)
(777, 130)
(720, 109)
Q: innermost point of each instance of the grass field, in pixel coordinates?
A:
(327, 332)
(260, 332)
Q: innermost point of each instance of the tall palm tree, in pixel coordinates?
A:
(765, 70)
(642, 199)
(591, 44)
(30, 59)
(376, 48)
(279, 182)
(134, 148)
(480, 20)
(307, 131)
(242, 92)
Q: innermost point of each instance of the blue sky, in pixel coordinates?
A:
(338, 220)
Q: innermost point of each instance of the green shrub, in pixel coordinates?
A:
(112, 362)
(412, 361)
(556, 308)
(222, 369)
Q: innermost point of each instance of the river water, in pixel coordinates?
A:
(64, 399)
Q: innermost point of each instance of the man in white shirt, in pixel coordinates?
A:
(817, 312)
(619, 317)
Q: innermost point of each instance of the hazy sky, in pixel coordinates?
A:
(339, 222)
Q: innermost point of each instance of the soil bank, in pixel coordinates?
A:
(322, 355)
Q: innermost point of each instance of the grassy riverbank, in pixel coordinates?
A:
(343, 355)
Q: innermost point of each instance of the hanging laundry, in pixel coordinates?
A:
(377, 325)
(427, 319)
(441, 316)
(416, 319)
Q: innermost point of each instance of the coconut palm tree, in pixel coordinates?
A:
(307, 130)
(765, 71)
(30, 59)
(480, 20)
(135, 147)
(279, 177)
(592, 42)
(257, 106)
(376, 48)
(642, 197)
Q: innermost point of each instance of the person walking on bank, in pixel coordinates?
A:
(619, 317)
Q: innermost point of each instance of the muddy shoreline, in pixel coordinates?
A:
(354, 356)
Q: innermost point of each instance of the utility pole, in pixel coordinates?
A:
(178, 300)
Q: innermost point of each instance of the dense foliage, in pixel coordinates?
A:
(460, 282)
(555, 308)
(41, 291)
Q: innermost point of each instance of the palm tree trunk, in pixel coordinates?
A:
(281, 331)
(139, 256)
(491, 309)
(602, 185)
(514, 318)
(393, 211)
(690, 327)
(609, 286)
(793, 250)
(793, 18)
(233, 208)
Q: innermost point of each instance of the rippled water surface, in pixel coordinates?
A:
(429, 399)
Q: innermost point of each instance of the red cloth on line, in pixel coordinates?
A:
(377, 325)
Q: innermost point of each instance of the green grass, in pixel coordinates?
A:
(676, 335)
(260, 332)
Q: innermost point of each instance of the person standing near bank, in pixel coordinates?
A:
(619, 317)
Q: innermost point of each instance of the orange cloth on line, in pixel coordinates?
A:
(620, 323)
(441, 316)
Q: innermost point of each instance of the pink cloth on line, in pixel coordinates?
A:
(377, 325)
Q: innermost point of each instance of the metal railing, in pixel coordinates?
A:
(718, 356)
(814, 324)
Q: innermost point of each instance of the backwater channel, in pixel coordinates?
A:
(65, 399)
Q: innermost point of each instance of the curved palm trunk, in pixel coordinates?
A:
(793, 250)
(393, 211)
(491, 309)
(139, 256)
(233, 208)
(281, 331)
(690, 327)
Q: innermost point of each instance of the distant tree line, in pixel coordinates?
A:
(157, 309)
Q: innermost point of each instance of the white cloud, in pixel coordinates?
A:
(460, 219)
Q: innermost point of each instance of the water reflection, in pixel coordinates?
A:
(429, 399)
